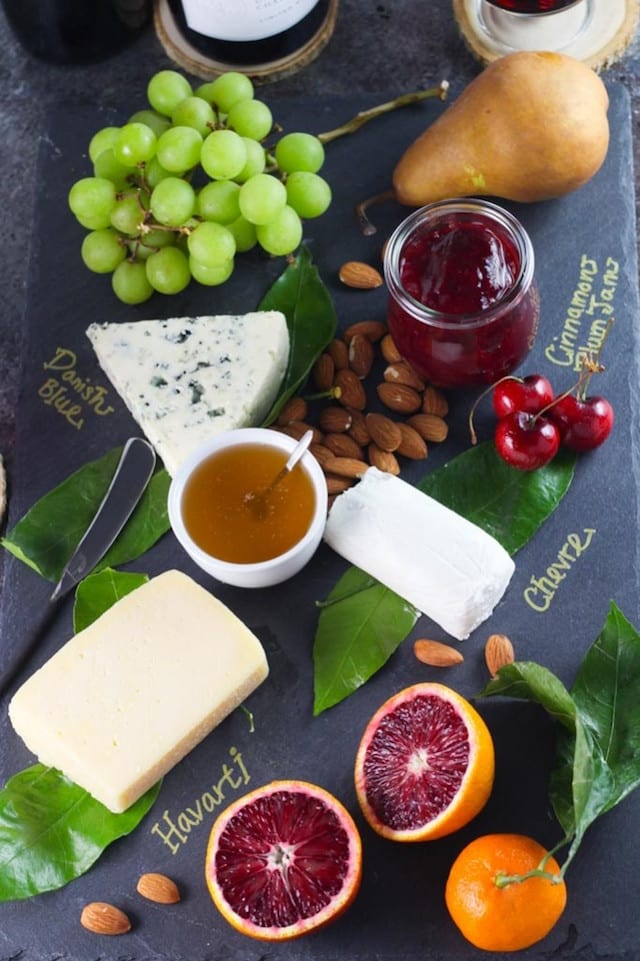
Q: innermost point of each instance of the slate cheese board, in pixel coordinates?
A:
(585, 248)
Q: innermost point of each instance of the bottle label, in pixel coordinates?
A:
(244, 20)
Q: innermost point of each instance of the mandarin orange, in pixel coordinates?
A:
(425, 764)
(496, 914)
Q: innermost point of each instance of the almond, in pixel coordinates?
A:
(102, 918)
(384, 432)
(355, 273)
(373, 330)
(384, 460)
(350, 392)
(339, 353)
(429, 426)
(412, 445)
(341, 445)
(296, 429)
(436, 654)
(296, 408)
(402, 373)
(335, 420)
(389, 350)
(399, 397)
(434, 402)
(498, 652)
(347, 467)
(336, 485)
(159, 888)
(358, 430)
(323, 372)
(361, 355)
(322, 454)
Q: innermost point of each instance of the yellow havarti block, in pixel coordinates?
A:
(128, 697)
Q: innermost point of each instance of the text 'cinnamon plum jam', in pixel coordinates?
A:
(463, 305)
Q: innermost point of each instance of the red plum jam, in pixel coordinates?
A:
(463, 306)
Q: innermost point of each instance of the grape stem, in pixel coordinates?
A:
(364, 116)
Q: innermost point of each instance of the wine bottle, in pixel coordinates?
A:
(252, 32)
(76, 31)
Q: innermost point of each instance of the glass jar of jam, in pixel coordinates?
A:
(463, 305)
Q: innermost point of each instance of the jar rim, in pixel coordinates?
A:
(430, 213)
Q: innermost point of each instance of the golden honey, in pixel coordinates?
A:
(219, 506)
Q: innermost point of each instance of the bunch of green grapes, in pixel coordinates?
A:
(189, 182)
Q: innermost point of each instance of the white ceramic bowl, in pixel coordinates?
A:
(263, 573)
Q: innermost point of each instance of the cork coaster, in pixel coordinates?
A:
(602, 41)
(197, 63)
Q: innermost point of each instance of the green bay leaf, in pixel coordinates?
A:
(47, 535)
(52, 831)
(96, 593)
(303, 298)
(509, 504)
(360, 626)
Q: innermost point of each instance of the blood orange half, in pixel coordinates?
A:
(283, 860)
(425, 764)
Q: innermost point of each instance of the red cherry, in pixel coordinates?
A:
(526, 441)
(583, 424)
(528, 395)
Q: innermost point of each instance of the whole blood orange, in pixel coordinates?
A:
(425, 764)
(492, 901)
(283, 860)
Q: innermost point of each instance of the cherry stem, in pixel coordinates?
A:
(333, 393)
(487, 390)
(364, 116)
(591, 364)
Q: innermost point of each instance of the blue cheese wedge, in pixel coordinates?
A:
(128, 697)
(186, 379)
(447, 567)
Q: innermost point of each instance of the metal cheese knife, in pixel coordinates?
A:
(133, 473)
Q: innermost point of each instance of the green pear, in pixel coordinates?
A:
(531, 126)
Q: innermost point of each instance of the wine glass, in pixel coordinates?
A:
(533, 24)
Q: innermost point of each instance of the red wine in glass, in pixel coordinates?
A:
(533, 7)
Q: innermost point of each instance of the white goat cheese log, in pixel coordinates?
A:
(447, 567)
(129, 696)
(186, 379)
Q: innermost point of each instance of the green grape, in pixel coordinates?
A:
(179, 149)
(210, 276)
(223, 155)
(130, 284)
(107, 167)
(307, 193)
(250, 118)
(154, 172)
(194, 112)
(136, 144)
(91, 200)
(212, 245)
(102, 250)
(282, 234)
(244, 234)
(218, 201)
(128, 213)
(152, 119)
(299, 151)
(261, 198)
(103, 139)
(256, 160)
(173, 201)
(227, 89)
(150, 241)
(168, 270)
(166, 89)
